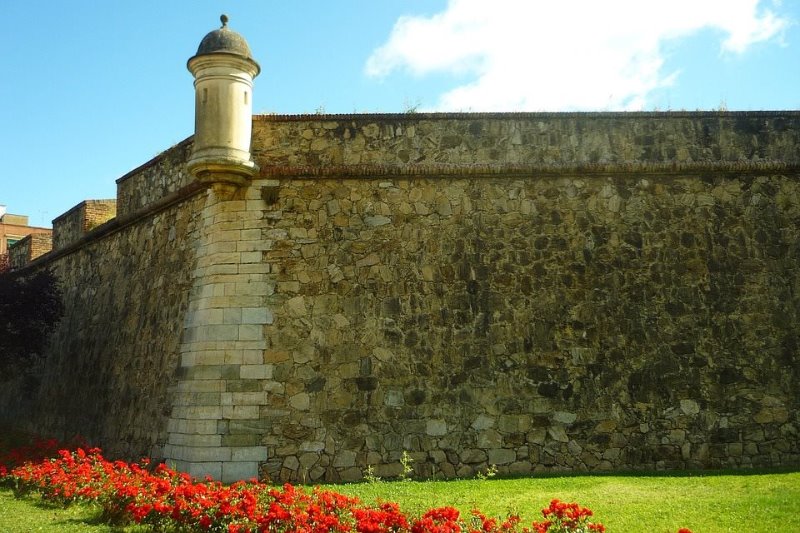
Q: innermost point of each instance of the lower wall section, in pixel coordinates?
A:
(307, 329)
(550, 323)
(115, 352)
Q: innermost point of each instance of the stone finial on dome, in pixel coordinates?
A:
(223, 40)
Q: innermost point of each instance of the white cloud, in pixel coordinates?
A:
(561, 54)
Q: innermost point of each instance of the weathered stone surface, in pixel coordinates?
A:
(115, 354)
(557, 433)
(472, 456)
(690, 407)
(564, 417)
(436, 428)
(345, 458)
(482, 422)
(501, 456)
(548, 291)
(71, 226)
(154, 180)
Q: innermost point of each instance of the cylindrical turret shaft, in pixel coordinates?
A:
(224, 70)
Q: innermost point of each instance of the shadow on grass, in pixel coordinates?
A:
(90, 515)
(665, 473)
(593, 474)
(93, 522)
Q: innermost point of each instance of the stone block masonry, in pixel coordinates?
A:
(154, 180)
(223, 345)
(561, 323)
(114, 356)
(541, 292)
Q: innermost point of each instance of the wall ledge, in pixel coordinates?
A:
(519, 170)
(119, 223)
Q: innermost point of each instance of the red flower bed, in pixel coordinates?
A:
(38, 450)
(165, 498)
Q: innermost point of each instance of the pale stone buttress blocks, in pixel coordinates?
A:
(222, 348)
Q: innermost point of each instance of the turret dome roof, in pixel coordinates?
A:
(224, 40)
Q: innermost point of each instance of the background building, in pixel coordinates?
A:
(14, 227)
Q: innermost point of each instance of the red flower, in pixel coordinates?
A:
(168, 500)
(566, 517)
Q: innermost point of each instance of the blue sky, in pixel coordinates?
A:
(90, 90)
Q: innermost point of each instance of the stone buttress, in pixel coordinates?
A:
(216, 412)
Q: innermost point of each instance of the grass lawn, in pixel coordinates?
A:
(702, 502)
(30, 514)
(624, 503)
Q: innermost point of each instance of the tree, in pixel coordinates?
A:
(30, 307)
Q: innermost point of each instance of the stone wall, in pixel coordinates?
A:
(114, 355)
(71, 226)
(351, 145)
(158, 178)
(533, 323)
(29, 248)
(535, 291)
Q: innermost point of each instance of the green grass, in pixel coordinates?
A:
(624, 503)
(703, 502)
(31, 514)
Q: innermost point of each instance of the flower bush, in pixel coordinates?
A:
(37, 451)
(566, 517)
(168, 500)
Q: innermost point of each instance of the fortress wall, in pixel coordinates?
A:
(535, 291)
(71, 226)
(114, 355)
(542, 317)
(609, 322)
(29, 248)
(502, 142)
(157, 179)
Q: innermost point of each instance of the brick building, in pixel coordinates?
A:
(14, 228)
